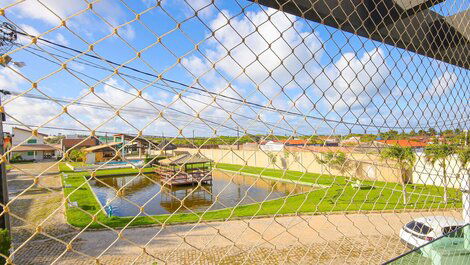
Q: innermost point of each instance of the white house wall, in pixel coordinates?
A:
(21, 137)
(39, 155)
(426, 173)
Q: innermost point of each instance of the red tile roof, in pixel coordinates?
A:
(78, 143)
(295, 142)
(403, 143)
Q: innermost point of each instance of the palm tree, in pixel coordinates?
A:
(405, 158)
(338, 161)
(464, 158)
(440, 153)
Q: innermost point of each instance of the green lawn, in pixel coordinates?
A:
(337, 197)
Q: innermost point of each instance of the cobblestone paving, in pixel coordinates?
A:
(40, 204)
(316, 239)
(370, 250)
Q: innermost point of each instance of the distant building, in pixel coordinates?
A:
(31, 147)
(296, 142)
(351, 141)
(404, 143)
(77, 143)
(272, 146)
(134, 145)
(102, 153)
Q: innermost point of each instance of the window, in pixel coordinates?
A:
(32, 141)
(30, 153)
(418, 227)
(453, 231)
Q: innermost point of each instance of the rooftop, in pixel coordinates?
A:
(26, 130)
(78, 142)
(101, 146)
(403, 143)
(184, 159)
(32, 147)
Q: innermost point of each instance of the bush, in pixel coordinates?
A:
(5, 244)
(16, 158)
(77, 156)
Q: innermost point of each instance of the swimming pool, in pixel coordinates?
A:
(133, 161)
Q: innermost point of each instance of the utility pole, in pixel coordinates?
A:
(4, 219)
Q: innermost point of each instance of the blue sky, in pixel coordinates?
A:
(283, 63)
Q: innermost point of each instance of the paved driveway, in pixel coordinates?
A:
(331, 239)
(36, 204)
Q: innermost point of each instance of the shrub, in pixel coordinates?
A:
(5, 244)
(77, 155)
(16, 158)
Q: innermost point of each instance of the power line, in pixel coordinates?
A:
(237, 101)
(192, 99)
(257, 105)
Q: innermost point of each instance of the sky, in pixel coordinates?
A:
(298, 77)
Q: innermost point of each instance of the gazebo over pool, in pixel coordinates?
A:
(185, 169)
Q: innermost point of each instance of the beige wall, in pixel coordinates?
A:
(368, 166)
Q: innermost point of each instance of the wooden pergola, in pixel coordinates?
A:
(185, 169)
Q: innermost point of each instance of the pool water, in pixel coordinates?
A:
(232, 190)
(133, 161)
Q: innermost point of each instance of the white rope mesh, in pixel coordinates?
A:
(233, 132)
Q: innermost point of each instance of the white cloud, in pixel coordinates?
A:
(441, 84)
(51, 12)
(354, 82)
(264, 47)
(61, 39)
(55, 11)
(127, 32)
(29, 30)
(9, 80)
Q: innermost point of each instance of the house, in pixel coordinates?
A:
(329, 140)
(296, 142)
(77, 143)
(135, 145)
(351, 141)
(370, 147)
(102, 153)
(31, 147)
(272, 146)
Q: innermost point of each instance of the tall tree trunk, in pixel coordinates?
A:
(444, 179)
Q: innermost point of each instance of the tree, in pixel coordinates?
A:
(439, 153)
(464, 158)
(77, 155)
(432, 131)
(405, 158)
(337, 161)
(272, 158)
